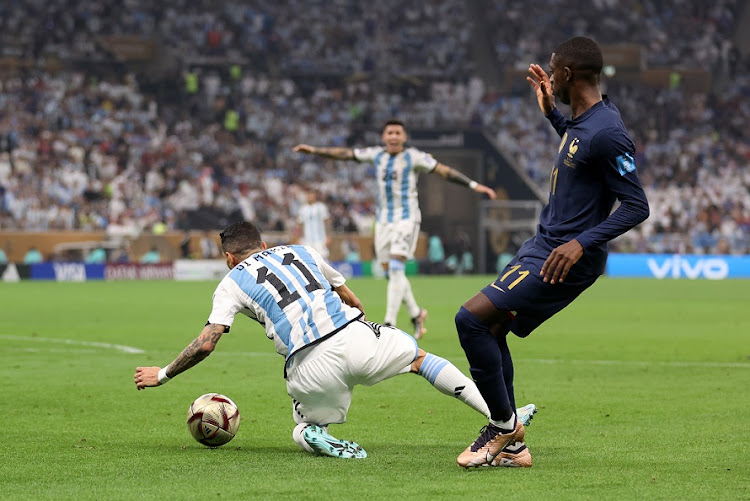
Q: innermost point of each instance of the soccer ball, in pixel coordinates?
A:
(213, 419)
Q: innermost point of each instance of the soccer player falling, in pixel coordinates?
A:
(317, 324)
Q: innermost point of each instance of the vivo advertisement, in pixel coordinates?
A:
(673, 266)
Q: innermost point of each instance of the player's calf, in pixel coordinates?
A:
(447, 379)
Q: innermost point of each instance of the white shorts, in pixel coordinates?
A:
(399, 238)
(320, 379)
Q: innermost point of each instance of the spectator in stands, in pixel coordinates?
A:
(435, 255)
(502, 261)
(152, 256)
(121, 154)
(122, 256)
(33, 256)
(350, 250)
(97, 256)
(209, 247)
(3, 257)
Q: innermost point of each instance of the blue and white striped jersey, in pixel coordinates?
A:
(288, 289)
(397, 180)
(313, 218)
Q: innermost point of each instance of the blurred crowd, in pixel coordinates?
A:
(695, 175)
(672, 33)
(79, 151)
(339, 37)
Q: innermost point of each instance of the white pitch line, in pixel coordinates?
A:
(118, 347)
(638, 363)
(53, 350)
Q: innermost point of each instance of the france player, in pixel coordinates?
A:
(315, 220)
(317, 323)
(595, 166)
(398, 217)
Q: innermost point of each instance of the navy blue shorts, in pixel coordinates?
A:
(520, 290)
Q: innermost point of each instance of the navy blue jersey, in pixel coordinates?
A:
(595, 166)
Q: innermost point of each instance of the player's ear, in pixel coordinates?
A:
(568, 74)
(263, 245)
(230, 259)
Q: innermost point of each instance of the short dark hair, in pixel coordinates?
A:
(240, 238)
(393, 121)
(580, 54)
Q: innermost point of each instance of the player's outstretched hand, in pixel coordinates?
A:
(303, 148)
(560, 260)
(146, 376)
(540, 82)
(486, 190)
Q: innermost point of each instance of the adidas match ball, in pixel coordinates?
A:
(213, 419)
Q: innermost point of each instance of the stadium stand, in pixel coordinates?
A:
(92, 143)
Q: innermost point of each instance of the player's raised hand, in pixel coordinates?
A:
(486, 190)
(560, 260)
(146, 376)
(540, 82)
(303, 148)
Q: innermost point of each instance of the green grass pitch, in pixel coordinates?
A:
(643, 388)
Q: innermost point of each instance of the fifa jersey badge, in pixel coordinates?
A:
(625, 164)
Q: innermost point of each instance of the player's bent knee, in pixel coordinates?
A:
(466, 323)
(417, 363)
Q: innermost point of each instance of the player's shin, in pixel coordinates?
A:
(485, 361)
(447, 379)
(397, 283)
(507, 361)
(410, 301)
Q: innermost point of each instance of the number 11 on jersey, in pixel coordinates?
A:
(521, 275)
(553, 180)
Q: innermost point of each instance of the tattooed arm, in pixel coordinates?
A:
(334, 153)
(200, 348)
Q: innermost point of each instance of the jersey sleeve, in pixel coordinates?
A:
(334, 278)
(225, 305)
(613, 150)
(363, 155)
(558, 121)
(422, 161)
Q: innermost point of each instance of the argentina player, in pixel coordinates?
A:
(315, 219)
(595, 167)
(398, 217)
(317, 324)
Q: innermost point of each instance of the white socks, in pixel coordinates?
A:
(397, 284)
(399, 290)
(411, 304)
(446, 377)
(510, 424)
